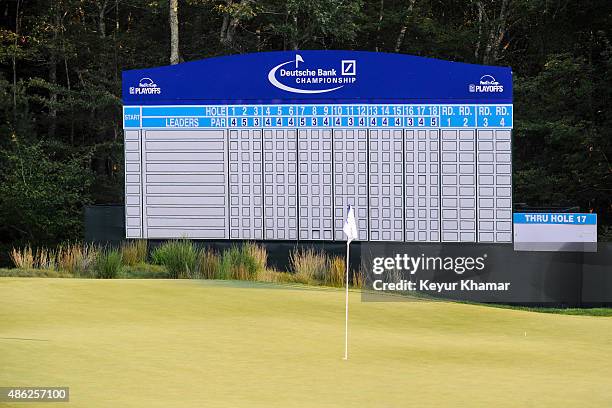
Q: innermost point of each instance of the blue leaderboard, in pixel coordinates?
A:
(319, 116)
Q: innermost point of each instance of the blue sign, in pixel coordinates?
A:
(289, 78)
(131, 117)
(555, 218)
(327, 116)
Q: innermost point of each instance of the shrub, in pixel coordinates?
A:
(208, 264)
(134, 252)
(308, 265)
(242, 262)
(178, 256)
(22, 258)
(108, 264)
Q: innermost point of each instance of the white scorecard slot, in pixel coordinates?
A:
(185, 184)
(280, 184)
(133, 185)
(315, 184)
(386, 185)
(458, 186)
(494, 186)
(246, 184)
(350, 167)
(422, 185)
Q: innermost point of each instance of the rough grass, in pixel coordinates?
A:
(187, 343)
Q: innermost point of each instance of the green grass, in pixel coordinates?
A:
(592, 311)
(144, 271)
(189, 343)
(34, 273)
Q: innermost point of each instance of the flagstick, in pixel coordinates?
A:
(348, 243)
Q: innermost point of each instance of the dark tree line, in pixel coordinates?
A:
(60, 81)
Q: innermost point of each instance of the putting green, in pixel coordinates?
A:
(181, 343)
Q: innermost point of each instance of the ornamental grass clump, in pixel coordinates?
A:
(337, 269)
(134, 252)
(309, 266)
(22, 258)
(77, 259)
(180, 257)
(108, 264)
(208, 264)
(243, 262)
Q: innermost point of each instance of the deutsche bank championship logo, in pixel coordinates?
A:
(487, 83)
(292, 77)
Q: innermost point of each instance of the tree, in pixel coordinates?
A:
(174, 32)
(41, 198)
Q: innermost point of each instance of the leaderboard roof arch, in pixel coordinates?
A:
(317, 77)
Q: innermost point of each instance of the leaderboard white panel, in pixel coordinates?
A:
(185, 184)
(422, 177)
(315, 184)
(280, 184)
(351, 179)
(386, 185)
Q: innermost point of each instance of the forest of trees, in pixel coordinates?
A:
(60, 85)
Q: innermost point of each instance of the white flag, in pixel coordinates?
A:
(350, 225)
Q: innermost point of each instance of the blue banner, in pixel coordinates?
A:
(320, 77)
(555, 218)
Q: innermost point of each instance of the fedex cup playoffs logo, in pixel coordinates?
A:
(290, 76)
(146, 86)
(487, 84)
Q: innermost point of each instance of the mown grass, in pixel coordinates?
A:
(195, 343)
